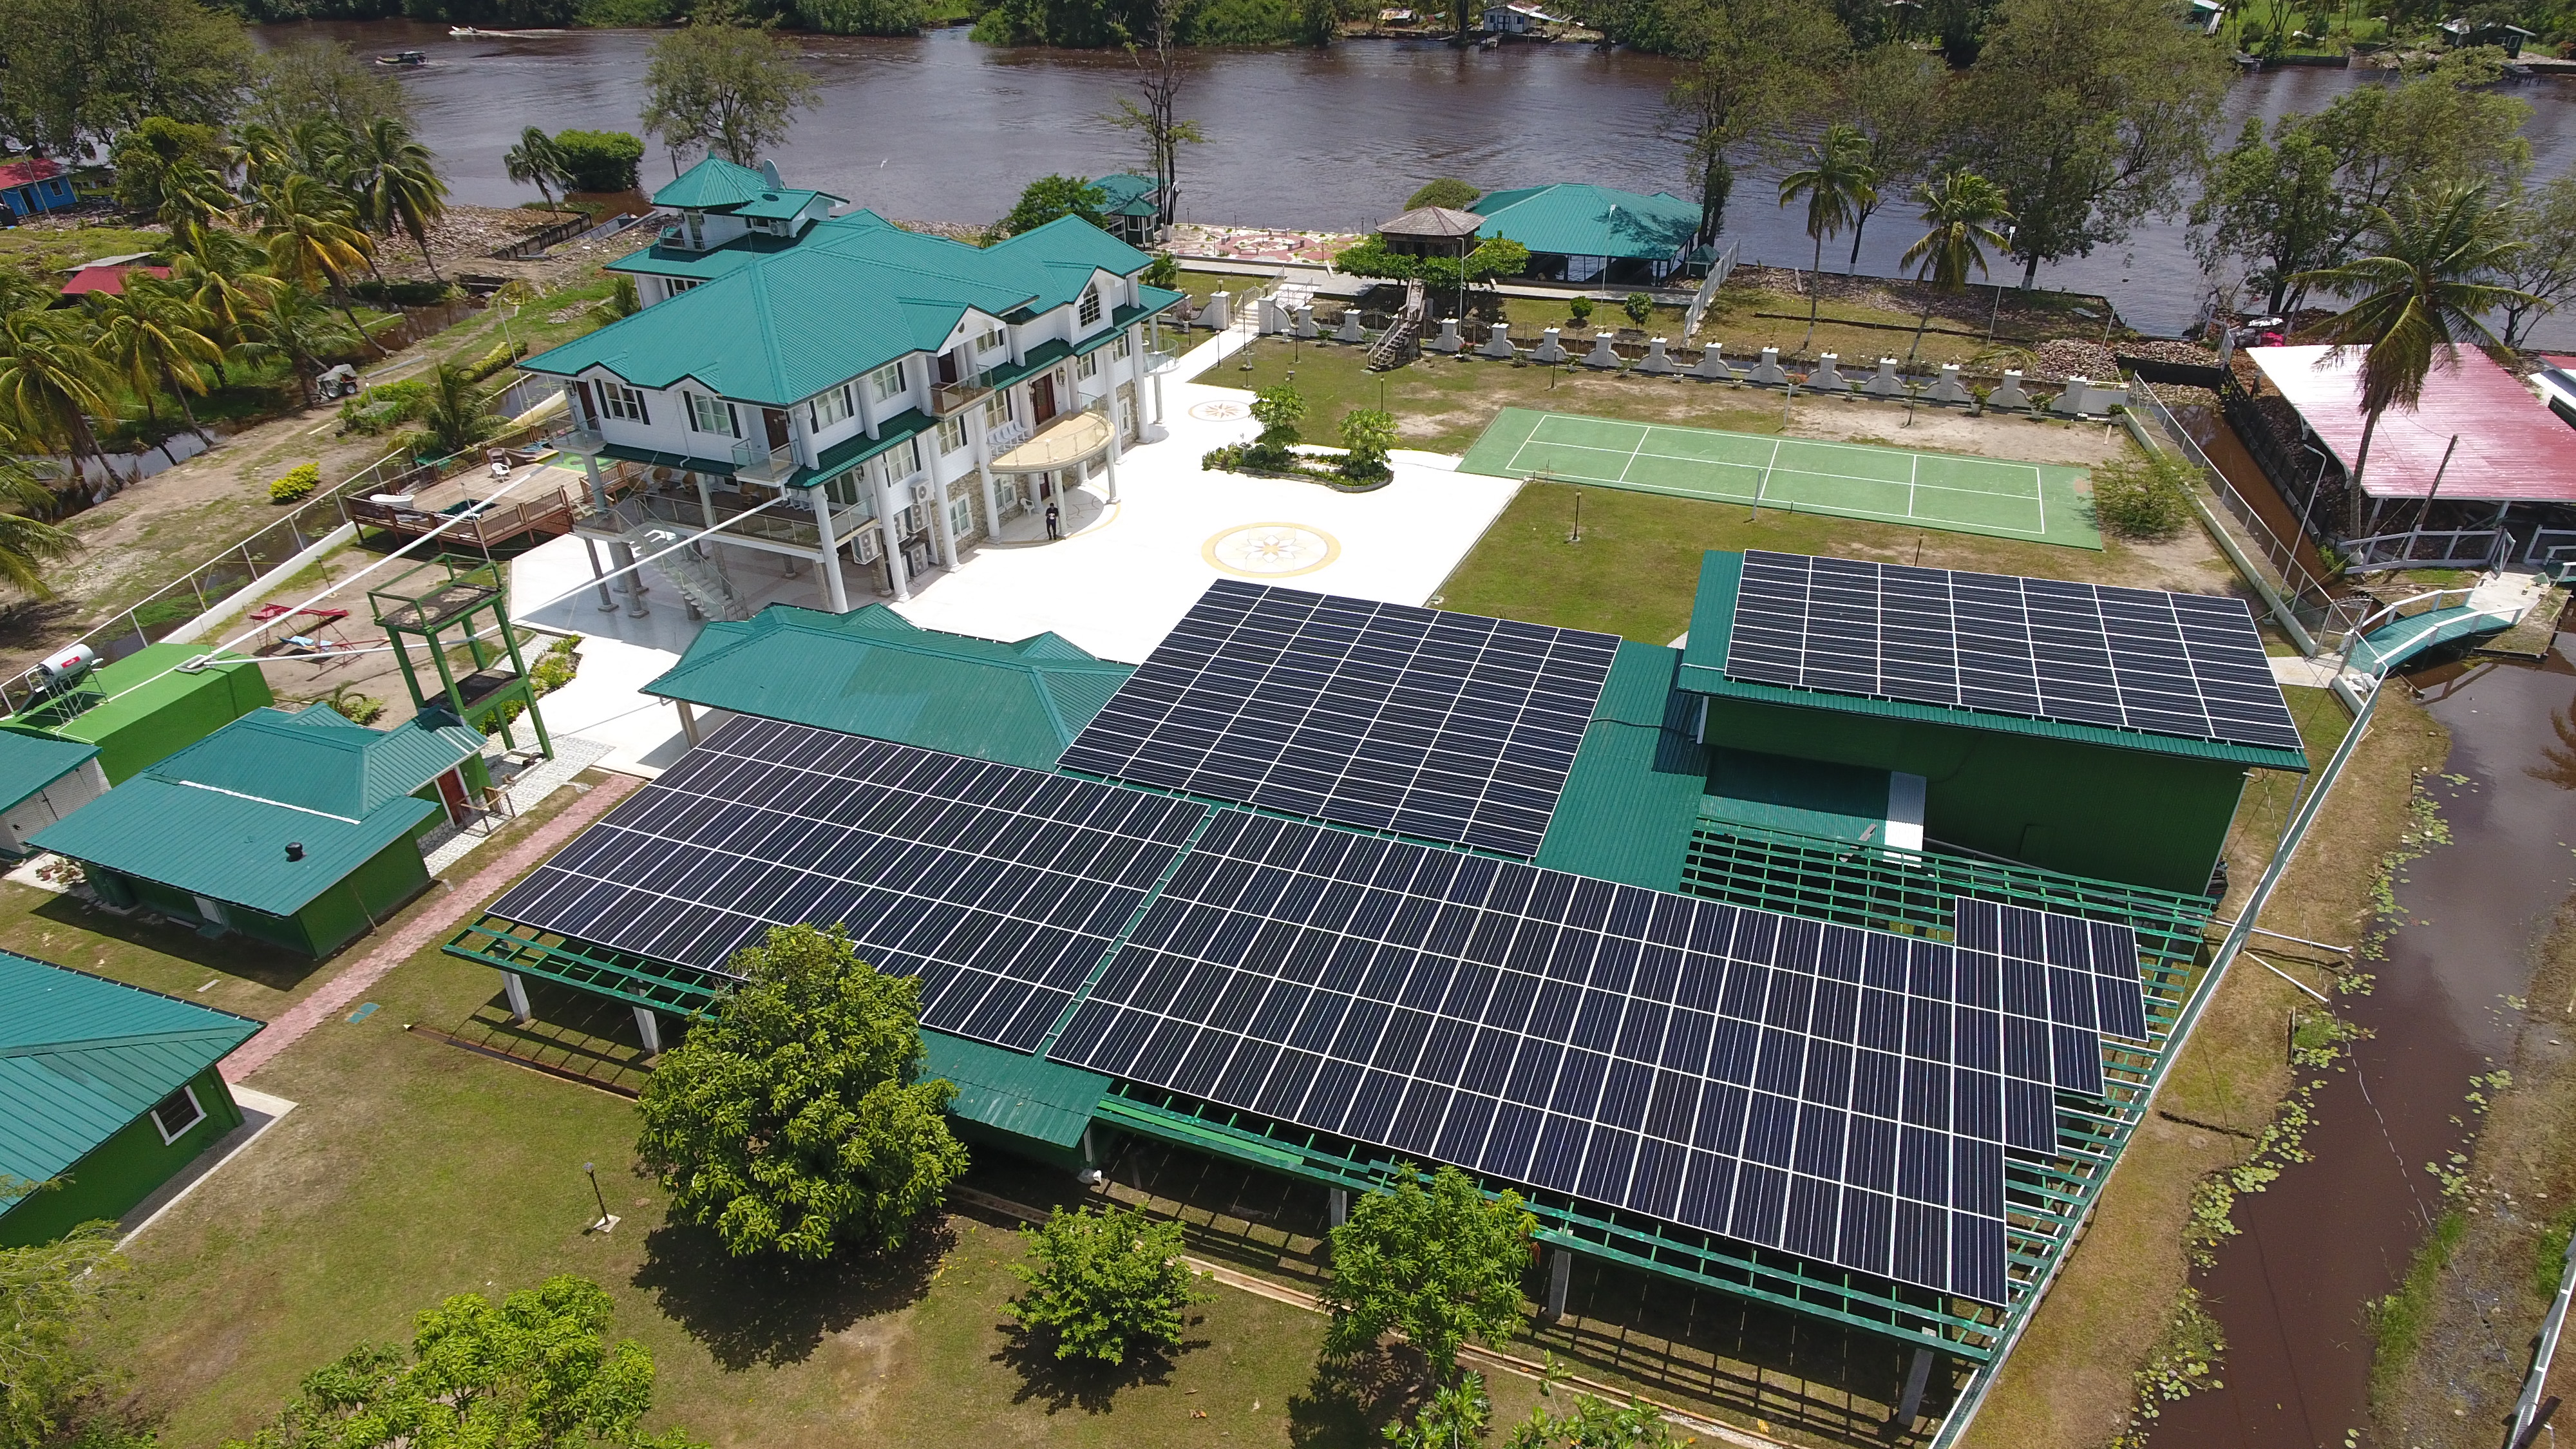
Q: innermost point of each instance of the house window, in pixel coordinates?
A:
(961, 517)
(712, 415)
(831, 407)
(997, 409)
(1120, 348)
(886, 382)
(906, 458)
(1090, 305)
(173, 1115)
(676, 285)
(623, 403)
(952, 434)
(993, 341)
(1088, 365)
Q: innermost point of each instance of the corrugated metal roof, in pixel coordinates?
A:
(1805, 797)
(82, 1056)
(1128, 194)
(28, 763)
(1630, 800)
(1026, 1095)
(856, 293)
(872, 672)
(319, 759)
(130, 689)
(664, 260)
(712, 183)
(226, 847)
(1704, 665)
(1572, 219)
(777, 205)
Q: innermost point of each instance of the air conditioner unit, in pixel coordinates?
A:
(866, 546)
(921, 490)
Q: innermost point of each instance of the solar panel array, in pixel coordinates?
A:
(1436, 725)
(1842, 1094)
(2184, 665)
(1002, 888)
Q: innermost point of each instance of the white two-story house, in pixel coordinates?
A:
(880, 396)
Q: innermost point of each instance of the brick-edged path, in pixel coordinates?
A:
(433, 921)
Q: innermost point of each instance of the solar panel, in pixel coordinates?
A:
(2183, 665)
(1830, 1091)
(1001, 888)
(2091, 971)
(1436, 725)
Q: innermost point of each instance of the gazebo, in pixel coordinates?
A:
(1432, 231)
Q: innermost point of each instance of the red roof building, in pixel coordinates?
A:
(2510, 448)
(110, 279)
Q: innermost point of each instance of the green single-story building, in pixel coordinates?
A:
(2142, 804)
(43, 779)
(1595, 234)
(301, 830)
(142, 707)
(873, 672)
(106, 1091)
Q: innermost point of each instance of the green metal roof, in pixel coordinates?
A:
(713, 184)
(81, 1056)
(1128, 194)
(1028, 1096)
(1806, 797)
(1571, 219)
(215, 819)
(29, 762)
(872, 672)
(130, 690)
(1704, 671)
(664, 260)
(1634, 792)
(780, 205)
(856, 293)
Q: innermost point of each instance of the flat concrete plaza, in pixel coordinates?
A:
(1994, 497)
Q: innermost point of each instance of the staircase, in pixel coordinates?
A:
(1402, 341)
(1290, 297)
(697, 577)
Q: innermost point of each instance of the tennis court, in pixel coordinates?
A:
(2045, 503)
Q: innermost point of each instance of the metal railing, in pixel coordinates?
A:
(2413, 604)
(775, 527)
(762, 463)
(2454, 548)
(952, 397)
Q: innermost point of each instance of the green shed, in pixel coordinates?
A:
(106, 1091)
(300, 830)
(2144, 806)
(873, 672)
(142, 707)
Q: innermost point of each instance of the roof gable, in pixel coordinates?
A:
(81, 1056)
(1571, 219)
(712, 184)
(319, 760)
(30, 762)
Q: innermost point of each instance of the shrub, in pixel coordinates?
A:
(399, 294)
(599, 160)
(2143, 498)
(1639, 307)
(864, 17)
(1448, 191)
(299, 482)
(1580, 308)
(556, 667)
(1226, 459)
(1105, 1283)
(355, 707)
(1163, 271)
(1368, 433)
(1279, 410)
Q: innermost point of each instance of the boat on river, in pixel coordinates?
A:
(402, 57)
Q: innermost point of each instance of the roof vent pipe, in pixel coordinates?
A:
(295, 850)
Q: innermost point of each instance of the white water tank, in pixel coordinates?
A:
(70, 665)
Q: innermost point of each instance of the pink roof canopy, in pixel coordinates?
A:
(2512, 449)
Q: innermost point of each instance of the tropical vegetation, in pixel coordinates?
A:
(1104, 1284)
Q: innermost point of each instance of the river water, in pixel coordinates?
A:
(2334, 1232)
(940, 128)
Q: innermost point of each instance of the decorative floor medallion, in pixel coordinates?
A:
(1220, 411)
(1270, 550)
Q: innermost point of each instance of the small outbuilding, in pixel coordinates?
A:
(873, 672)
(1432, 231)
(139, 709)
(1134, 207)
(1580, 233)
(41, 781)
(301, 830)
(1519, 19)
(106, 1092)
(35, 185)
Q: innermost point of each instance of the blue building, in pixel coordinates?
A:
(35, 184)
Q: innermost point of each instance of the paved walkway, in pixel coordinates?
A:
(432, 921)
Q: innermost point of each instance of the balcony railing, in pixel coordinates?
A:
(755, 463)
(952, 397)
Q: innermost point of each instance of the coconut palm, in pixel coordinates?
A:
(220, 273)
(2417, 297)
(454, 416)
(535, 161)
(51, 383)
(26, 539)
(395, 184)
(1838, 182)
(312, 236)
(1961, 214)
(299, 325)
(193, 199)
(150, 334)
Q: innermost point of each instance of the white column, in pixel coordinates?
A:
(984, 471)
(516, 989)
(649, 1027)
(886, 526)
(939, 528)
(1560, 1277)
(1337, 1205)
(630, 579)
(827, 557)
(1114, 446)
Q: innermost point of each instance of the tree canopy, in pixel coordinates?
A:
(1439, 1263)
(725, 85)
(1053, 198)
(84, 72)
(1753, 67)
(794, 1120)
(534, 1371)
(47, 1294)
(1104, 1283)
(1446, 191)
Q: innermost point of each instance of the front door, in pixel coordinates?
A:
(777, 420)
(451, 791)
(1042, 400)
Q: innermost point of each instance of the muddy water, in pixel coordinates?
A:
(2335, 1232)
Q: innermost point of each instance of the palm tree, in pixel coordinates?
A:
(220, 274)
(51, 383)
(1837, 183)
(453, 416)
(25, 538)
(396, 184)
(151, 335)
(1961, 211)
(297, 324)
(2417, 298)
(193, 199)
(536, 161)
(312, 238)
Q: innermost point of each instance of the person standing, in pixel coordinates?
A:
(1054, 519)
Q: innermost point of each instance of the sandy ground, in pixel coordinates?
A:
(1993, 435)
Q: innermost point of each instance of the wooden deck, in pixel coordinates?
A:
(548, 516)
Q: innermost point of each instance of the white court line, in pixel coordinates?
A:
(1642, 435)
(1765, 480)
(1809, 472)
(1913, 470)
